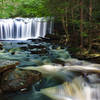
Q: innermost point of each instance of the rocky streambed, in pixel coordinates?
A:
(40, 70)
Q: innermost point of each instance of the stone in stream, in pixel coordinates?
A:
(58, 61)
(25, 48)
(41, 51)
(1, 46)
(6, 65)
(37, 49)
(17, 79)
(32, 46)
(93, 78)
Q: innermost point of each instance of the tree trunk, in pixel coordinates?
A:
(90, 11)
(81, 22)
(90, 20)
(2, 2)
(65, 23)
(72, 14)
(65, 26)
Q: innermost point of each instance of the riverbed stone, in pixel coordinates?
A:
(17, 79)
(40, 51)
(32, 46)
(1, 46)
(7, 64)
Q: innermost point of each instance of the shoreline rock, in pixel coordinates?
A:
(14, 79)
(17, 79)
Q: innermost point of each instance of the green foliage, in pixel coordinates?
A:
(74, 49)
(31, 8)
(84, 34)
(96, 16)
(80, 18)
(23, 8)
(56, 8)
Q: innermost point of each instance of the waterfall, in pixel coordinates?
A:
(24, 28)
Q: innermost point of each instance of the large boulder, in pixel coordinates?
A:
(17, 79)
(6, 64)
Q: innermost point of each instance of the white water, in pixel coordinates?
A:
(74, 87)
(24, 28)
(73, 91)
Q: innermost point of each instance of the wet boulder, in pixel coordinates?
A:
(6, 65)
(25, 48)
(33, 46)
(58, 61)
(39, 51)
(17, 79)
(93, 78)
(35, 40)
(22, 43)
(1, 46)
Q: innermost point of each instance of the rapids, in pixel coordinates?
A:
(64, 78)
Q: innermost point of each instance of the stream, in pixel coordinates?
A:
(61, 81)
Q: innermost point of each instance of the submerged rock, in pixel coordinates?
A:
(17, 79)
(5, 65)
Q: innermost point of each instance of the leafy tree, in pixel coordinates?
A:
(80, 19)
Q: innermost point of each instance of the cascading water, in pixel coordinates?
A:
(75, 80)
(76, 83)
(24, 28)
